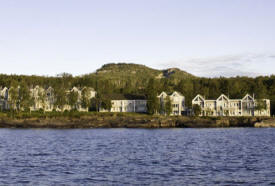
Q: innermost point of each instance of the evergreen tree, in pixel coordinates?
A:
(60, 98)
(72, 99)
(94, 105)
(42, 98)
(24, 97)
(196, 110)
(260, 89)
(97, 101)
(153, 103)
(14, 95)
(186, 88)
(85, 98)
(106, 104)
(100, 102)
(168, 106)
(260, 105)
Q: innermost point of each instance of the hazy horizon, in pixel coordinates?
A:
(254, 75)
(205, 38)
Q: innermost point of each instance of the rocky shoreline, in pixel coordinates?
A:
(265, 123)
(135, 122)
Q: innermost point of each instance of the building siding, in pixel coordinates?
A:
(224, 106)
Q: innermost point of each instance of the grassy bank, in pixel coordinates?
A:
(118, 120)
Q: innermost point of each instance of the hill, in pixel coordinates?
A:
(133, 77)
(122, 70)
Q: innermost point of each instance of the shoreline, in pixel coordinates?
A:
(118, 120)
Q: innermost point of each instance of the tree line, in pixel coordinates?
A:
(235, 87)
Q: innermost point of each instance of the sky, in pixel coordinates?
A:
(206, 38)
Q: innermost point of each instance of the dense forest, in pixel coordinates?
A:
(140, 80)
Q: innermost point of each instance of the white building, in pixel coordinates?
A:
(50, 99)
(129, 106)
(177, 102)
(223, 106)
(39, 98)
(127, 103)
(4, 94)
(90, 93)
(44, 98)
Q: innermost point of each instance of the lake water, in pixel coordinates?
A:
(137, 156)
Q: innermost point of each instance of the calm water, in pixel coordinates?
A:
(137, 156)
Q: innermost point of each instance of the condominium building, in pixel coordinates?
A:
(223, 106)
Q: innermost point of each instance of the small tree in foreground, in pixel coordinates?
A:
(153, 102)
(14, 96)
(260, 105)
(106, 104)
(85, 98)
(24, 97)
(153, 105)
(168, 106)
(72, 99)
(42, 98)
(60, 98)
(100, 102)
(196, 109)
(94, 104)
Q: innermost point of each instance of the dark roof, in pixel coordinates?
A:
(171, 92)
(115, 96)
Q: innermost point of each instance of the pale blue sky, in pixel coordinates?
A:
(203, 37)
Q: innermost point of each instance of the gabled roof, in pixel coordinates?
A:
(248, 97)
(89, 88)
(49, 88)
(162, 94)
(74, 89)
(222, 96)
(198, 97)
(4, 89)
(176, 93)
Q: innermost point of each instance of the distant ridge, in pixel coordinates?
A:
(130, 69)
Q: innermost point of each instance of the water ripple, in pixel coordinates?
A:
(243, 156)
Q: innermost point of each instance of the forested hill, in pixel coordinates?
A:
(139, 79)
(134, 75)
(132, 78)
(125, 72)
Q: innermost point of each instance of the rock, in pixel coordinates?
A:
(222, 123)
(266, 123)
